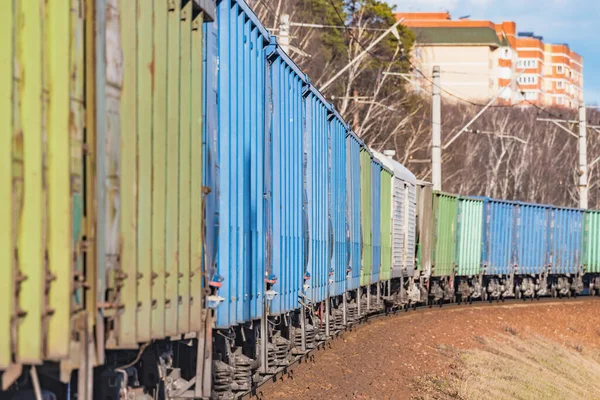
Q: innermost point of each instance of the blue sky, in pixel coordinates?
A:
(574, 22)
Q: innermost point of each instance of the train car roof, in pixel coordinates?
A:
(398, 169)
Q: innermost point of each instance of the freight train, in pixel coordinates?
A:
(184, 214)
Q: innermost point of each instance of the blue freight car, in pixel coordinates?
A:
(285, 171)
(566, 240)
(353, 146)
(531, 237)
(235, 71)
(337, 131)
(317, 171)
(498, 237)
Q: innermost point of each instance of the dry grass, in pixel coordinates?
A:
(513, 367)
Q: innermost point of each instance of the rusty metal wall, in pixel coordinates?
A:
(425, 228)
(41, 178)
(153, 161)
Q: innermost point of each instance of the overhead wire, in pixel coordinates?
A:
(414, 67)
(349, 31)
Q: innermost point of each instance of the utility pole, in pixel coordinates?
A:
(436, 137)
(284, 33)
(582, 165)
(583, 168)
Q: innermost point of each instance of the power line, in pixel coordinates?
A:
(414, 67)
(411, 64)
(339, 15)
(452, 94)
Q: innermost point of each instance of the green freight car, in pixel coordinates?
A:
(444, 250)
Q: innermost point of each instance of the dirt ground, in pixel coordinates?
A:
(432, 354)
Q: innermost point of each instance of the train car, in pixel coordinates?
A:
(354, 218)
(45, 263)
(338, 130)
(366, 217)
(317, 188)
(498, 254)
(565, 258)
(402, 229)
(376, 204)
(284, 160)
(444, 246)
(425, 228)
(532, 236)
(386, 215)
(469, 229)
(236, 148)
(591, 249)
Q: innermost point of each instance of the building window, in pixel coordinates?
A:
(527, 79)
(526, 63)
(560, 85)
(559, 69)
(560, 100)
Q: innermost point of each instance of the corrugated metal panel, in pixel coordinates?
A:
(30, 190)
(499, 237)
(7, 192)
(235, 141)
(390, 179)
(366, 217)
(159, 177)
(42, 188)
(386, 225)
(286, 163)
(531, 237)
(110, 163)
(444, 255)
(425, 228)
(151, 198)
(338, 130)
(73, 264)
(211, 176)
(144, 163)
(126, 159)
(196, 196)
(399, 226)
(591, 241)
(376, 218)
(183, 312)
(469, 236)
(565, 240)
(410, 228)
(173, 137)
(354, 210)
(316, 151)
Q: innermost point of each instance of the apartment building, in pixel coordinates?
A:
(480, 60)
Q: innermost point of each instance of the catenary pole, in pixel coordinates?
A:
(583, 168)
(436, 139)
(284, 33)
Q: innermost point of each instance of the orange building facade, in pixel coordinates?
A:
(480, 60)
